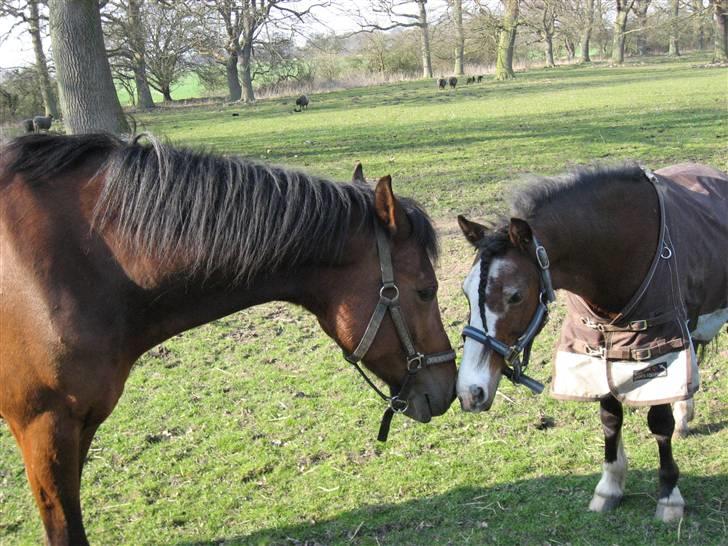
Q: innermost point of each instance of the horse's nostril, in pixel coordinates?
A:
(477, 393)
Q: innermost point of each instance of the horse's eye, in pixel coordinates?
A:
(427, 294)
(515, 298)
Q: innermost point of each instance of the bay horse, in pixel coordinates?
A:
(110, 247)
(643, 260)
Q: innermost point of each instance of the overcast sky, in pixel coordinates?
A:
(17, 49)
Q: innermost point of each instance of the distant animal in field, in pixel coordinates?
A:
(480, 79)
(442, 83)
(453, 81)
(301, 103)
(471, 79)
(27, 125)
(42, 122)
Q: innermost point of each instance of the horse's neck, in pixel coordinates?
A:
(602, 250)
(175, 307)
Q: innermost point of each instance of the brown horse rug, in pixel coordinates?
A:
(646, 355)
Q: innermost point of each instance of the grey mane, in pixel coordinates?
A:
(219, 214)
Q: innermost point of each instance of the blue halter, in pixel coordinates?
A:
(517, 356)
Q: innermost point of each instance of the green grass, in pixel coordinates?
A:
(188, 87)
(253, 430)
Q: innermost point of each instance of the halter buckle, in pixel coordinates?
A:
(512, 355)
(542, 257)
(384, 297)
(415, 362)
(398, 405)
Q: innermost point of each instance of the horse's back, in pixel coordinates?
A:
(696, 199)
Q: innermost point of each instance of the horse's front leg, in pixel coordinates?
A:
(610, 489)
(670, 504)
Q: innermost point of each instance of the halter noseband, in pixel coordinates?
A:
(517, 356)
(416, 361)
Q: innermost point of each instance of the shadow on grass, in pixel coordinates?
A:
(551, 509)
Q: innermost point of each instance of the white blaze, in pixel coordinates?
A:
(474, 365)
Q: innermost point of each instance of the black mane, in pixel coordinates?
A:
(226, 214)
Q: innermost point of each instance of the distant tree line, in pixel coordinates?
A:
(241, 47)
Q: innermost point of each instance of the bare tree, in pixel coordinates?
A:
(457, 15)
(720, 30)
(507, 41)
(27, 13)
(125, 28)
(699, 24)
(640, 8)
(585, 43)
(401, 14)
(674, 47)
(87, 92)
(171, 36)
(620, 26)
(243, 20)
(542, 17)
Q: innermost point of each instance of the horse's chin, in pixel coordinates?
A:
(419, 409)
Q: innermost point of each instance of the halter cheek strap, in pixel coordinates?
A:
(517, 356)
(389, 301)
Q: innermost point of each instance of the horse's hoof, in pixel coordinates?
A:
(680, 433)
(603, 504)
(667, 512)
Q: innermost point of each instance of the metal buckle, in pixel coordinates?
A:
(419, 359)
(638, 325)
(596, 351)
(385, 287)
(641, 354)
(542, 257)
(589, 323)
(512, 356)
(398, 405)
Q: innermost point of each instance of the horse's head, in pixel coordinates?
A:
(393, 325)
(503, 291)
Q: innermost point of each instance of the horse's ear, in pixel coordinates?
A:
(388, 209)
(358, 176)
(520, 234)
(473, 231)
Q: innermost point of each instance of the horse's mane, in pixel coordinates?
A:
(535, 193)
(577, 185)
(225, 214)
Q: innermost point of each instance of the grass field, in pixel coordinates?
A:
(254, 430)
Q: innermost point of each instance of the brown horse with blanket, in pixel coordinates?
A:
(643, 260)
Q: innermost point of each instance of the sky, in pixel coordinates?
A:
(16, 50)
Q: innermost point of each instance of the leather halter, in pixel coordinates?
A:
(416, 361)
(516, 356)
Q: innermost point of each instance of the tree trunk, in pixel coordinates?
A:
(674, 48)
(699, 24)
(549, 51)
(138, 48)
(720, 38)
(41, 66)
(586, 36)
(507, 41)
(459, 38)
(167, 93)
(87, 92)
(640, 10)
(620, 24)
(233, 80)
(570, 48)
(425, 40)
(246, 53)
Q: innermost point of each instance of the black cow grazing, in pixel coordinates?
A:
(42, 122)
(471, 79)
(27, 125)
(301, 103)
(441, 83)
(480, 79)
(453, 82)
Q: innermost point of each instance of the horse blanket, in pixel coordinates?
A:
(646, 355)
